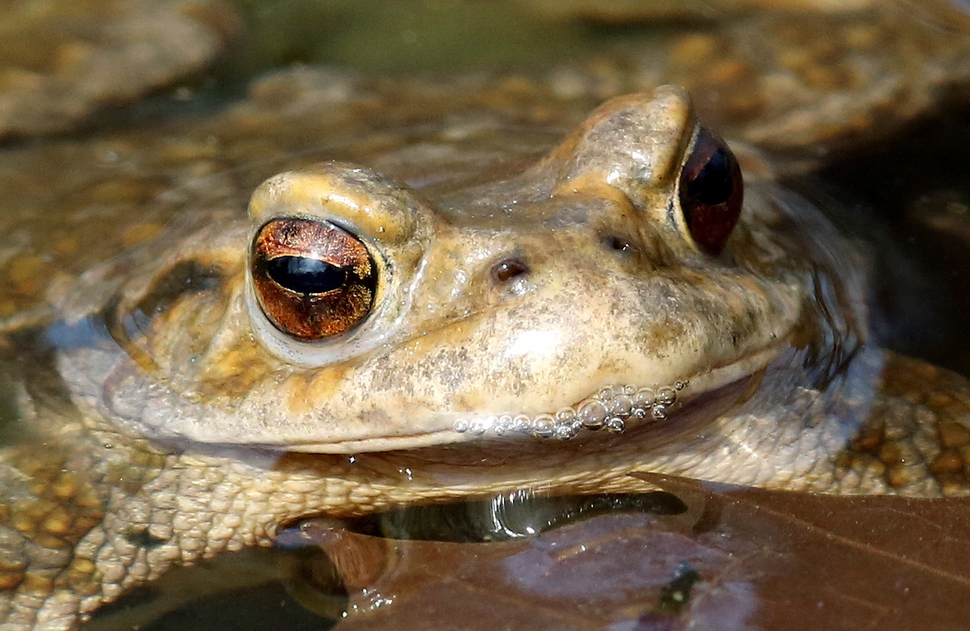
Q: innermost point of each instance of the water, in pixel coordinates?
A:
(764, 559)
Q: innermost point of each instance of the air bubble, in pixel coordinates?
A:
(543, 426)
(666, 397)
(643, 398)
(592, 414)
(615, 425)
(565, 431)
(565, 415)
(621, 405)
(610, 407)
(522, 424)
(481, 425)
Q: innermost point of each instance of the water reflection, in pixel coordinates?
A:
(737, 558)
(345, 569)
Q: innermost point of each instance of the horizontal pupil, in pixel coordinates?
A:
(305, 275)
(712, 185)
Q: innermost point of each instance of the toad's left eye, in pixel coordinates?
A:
(711, 192)
(312, 279)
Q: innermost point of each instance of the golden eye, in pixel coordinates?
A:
(711, 192)
(312, 279)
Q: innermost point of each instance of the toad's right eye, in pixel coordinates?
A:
(711, 192)
(312, 279)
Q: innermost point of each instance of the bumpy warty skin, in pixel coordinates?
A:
(128, 465)
(101, 511)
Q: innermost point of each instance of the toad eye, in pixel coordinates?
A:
(312, 280)
(711, 192)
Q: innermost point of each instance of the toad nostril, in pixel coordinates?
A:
(619, 244)
(508, 269)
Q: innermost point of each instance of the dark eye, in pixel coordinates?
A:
(312, 279)
(508, 269)
(711, 192)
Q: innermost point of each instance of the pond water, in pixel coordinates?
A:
(445, 95)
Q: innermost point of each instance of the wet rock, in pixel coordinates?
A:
(61, 61)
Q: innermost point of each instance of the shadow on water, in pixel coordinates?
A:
(909, 197)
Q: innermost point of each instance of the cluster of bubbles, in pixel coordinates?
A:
(610, 408)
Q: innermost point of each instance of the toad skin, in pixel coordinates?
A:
(617, 308)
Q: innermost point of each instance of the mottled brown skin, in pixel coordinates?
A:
(170, 422)
(806, 87)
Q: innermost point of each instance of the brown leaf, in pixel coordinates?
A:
(764, 559)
